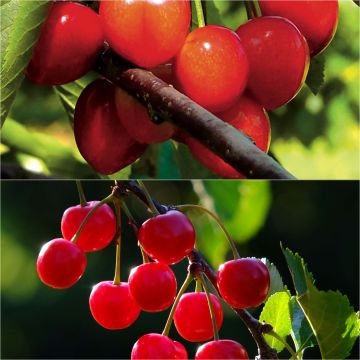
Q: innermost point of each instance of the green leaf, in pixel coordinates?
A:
(277, 313)
(276, 283)
(333, 321)
(316, 75)
(301, 276)
(166, 168)
(20, 27)
(301, 332)
(69, 93)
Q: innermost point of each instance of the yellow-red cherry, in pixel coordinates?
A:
(278, 57)
(99, 133)
(113, 306)
(317, 20)
(243, 283)
(60, 263)
(192, 317)
(211, 67)
(99, 229)
(146, 32)
(153, 286)
(221, 349)
(246, 115)
(67, 46)
(168, 237)
(155, 346)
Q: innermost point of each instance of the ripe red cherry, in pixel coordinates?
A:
(60, 263)
(243, 283)
(221, 349)
(156, 346)
(113, 306)
(99, 230)
(153, 286)
(136, 120)
(192, 316)
(167, 238)
(100, 136)
(211, 67)
(317, 20)
(181, 352)
(147, 33)
(249, 117)
(278, 55)
(67, 46)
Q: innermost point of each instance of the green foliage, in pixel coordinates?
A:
(316, 76)
(276, 282)
(277, 313)
(20, 25)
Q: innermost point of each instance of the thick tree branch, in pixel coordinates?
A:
(198, 263)
(167, 104)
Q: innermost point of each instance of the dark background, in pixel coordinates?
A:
(317, 219)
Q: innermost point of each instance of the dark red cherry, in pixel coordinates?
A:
(278, 56)
(243, 283)
(70, 40)
(246, 115)
(167, 238)
(60, 263)
(153, 286)
(100, 136)
(147, 33)
(113, 306)
(221, 349)
(99, 230)
(211, 67)
(192, 316)
(317, 20)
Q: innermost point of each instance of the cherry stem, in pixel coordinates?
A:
(251, 10)
(184, 286)
(135, 227)
(118, 242)
(151, 204)
(87, 217)
(211, 307)
(198, 287)
(274, 334)
(218, 221)
(199, 13)
(80, 190)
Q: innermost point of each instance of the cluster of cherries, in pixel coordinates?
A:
(167, 239)
(236, 75)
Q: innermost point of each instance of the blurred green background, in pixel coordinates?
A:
(317, 219)
(314, 137)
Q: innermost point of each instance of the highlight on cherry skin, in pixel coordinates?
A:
(98, 231)
(67, 46)
(113, 306)
(60, 263)
(221, 349)
(167, 238)
(192, 316)
(153, 286)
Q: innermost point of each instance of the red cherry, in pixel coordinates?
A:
(181, 352)
(154, 346)
(167, 238)
(100, 136)
(221, 349)
(67, 46)
(113, 306)
(317, 20)
(164, 72)
(153, 286)
(243, 283)
(60, 263)
(249, 117)
(211, 67)
(279, 59)
(136, 120)
(147, 33)
(192, 316)
(99, 230)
